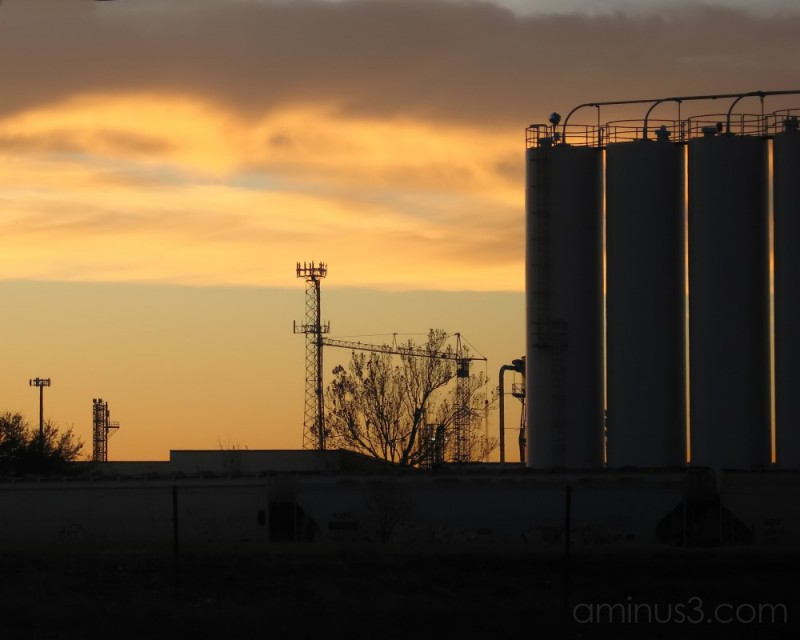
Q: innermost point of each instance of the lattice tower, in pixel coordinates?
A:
(314, 415)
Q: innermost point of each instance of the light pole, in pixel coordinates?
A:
(41, 383)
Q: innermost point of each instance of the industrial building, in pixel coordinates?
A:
(648, 376)
(674, 206)
(650, 334)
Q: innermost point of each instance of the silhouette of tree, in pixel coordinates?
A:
(24, 451)
(382, 404)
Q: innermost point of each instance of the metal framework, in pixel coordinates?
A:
(680, 130)
(433, 448)
(314, 416)
(101, 429)
(314, 433)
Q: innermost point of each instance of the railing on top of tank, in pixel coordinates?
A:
(785, 120)
(577, 135)
(632, 130)
(741, 124)
(598, 136)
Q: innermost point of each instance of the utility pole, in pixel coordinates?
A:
(41, 383)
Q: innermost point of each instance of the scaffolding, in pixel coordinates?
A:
(101, 430)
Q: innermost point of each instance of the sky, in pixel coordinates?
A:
(165, 163)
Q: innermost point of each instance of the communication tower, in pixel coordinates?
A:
(102, 426)
(314, 329)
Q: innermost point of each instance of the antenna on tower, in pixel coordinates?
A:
(313, 328)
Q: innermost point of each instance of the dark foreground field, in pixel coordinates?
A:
(381, 592)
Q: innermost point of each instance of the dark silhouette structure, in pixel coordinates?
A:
(102, 428)
(41, 383)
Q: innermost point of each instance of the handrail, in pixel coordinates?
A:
(679, 99)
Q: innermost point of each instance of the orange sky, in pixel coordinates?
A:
(164, 164)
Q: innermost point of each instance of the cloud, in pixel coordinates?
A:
(435, 61)
(640, 7)
(204, 142)
(111, 142)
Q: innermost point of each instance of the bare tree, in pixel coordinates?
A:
(24, 450)
(381, 403)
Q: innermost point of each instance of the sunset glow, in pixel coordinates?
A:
(164, 165)
(163, 189)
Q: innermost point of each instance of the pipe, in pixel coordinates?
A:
(650, 110)
(752, 94)
(678, 99)
(517, 365)
(503, 369)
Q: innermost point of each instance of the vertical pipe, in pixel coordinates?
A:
(502, 418)
(503, 369)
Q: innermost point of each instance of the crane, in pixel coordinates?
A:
(461, 422)
(315, 330)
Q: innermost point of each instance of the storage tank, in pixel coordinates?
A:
(564, 306)
(728, 301)
(786, 169)
(645, 304)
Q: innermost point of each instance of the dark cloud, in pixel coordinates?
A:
(432, 60)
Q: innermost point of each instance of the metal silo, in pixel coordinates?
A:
(564, 306)
(645, 308)
(728, 301)
(786, 169)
